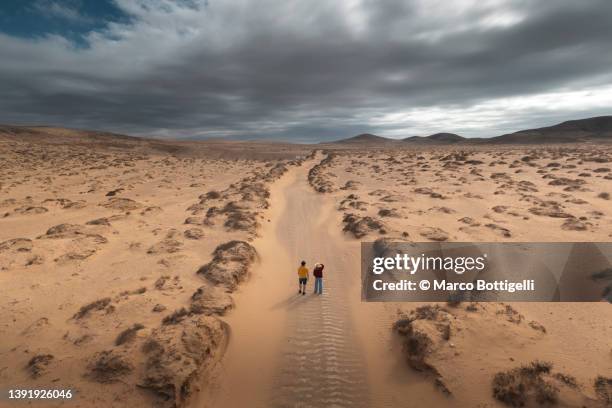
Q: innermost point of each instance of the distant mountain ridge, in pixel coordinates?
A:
(595, 124)
(50, 133)
(573, 131)
(366, 138)
(436, 138)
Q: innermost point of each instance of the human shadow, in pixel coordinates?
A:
(292, 301)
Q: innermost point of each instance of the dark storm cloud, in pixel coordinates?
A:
(314, 70)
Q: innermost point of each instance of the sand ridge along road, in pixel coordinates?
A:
(287, 349)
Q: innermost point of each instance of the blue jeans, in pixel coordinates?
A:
(318, 286)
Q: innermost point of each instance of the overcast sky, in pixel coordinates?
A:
(306, 70)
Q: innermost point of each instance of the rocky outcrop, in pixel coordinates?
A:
(317, 177)
(230, 264)
(359, 226)
(178, 355)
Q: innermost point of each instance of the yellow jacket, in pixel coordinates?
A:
(303, 272)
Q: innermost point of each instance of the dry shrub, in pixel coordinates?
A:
(520, 385)
(603, 389)
(37, 364)
(97, 305)
(108, 367)
(128, 334)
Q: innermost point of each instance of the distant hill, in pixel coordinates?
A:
(365, 138)
(596, 125)
(368, 138)
(582, 130)
(52, 134)
(437, 138)
(67, 136)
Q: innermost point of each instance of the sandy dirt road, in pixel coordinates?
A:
(288, 349)
(291, 350)
(321, 361)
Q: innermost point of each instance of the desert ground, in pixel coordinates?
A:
(145, 273)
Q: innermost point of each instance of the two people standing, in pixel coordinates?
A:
(303, 278)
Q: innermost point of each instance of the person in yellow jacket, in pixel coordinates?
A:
(302, 278)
